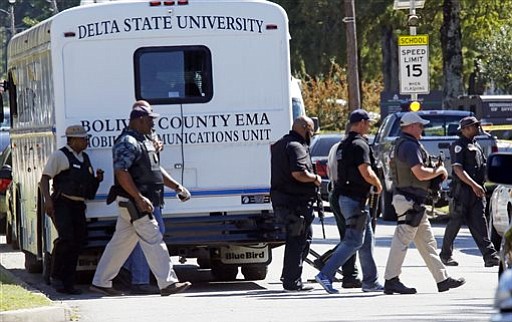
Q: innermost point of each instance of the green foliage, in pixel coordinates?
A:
(496, 58)
(322, 95)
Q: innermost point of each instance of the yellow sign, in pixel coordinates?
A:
(413, 40)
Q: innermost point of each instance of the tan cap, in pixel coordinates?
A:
(76, 131)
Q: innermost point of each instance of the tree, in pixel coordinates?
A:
(451, 39)
(496, 59)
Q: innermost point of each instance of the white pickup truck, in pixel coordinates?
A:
(437, 138)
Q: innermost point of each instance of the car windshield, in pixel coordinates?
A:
(440, 125)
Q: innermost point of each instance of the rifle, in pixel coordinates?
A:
(320, 210)
(435, 184)
(434, 189)
(319, 205)
(373, 202)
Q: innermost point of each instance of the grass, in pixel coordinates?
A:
(15, 297)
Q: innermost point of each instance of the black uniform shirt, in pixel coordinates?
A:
(468, 154)
(290, 154)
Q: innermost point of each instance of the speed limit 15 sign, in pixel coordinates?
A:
(413, 62)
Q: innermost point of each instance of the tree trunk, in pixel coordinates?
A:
(389, 60)
(451, 38)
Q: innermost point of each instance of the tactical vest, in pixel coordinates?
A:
(401, 173)
(350, 181)
(145, 170)
(474, 161)
(78, 180)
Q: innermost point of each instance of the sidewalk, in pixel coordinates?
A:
(51, 313)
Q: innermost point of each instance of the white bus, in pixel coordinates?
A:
(218, 73)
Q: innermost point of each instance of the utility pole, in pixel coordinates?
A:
(11, 16)
(55, 9)
(354, 96)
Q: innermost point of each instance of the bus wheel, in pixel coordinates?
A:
(8, 233)
(223, 272)
(204, 262)
(32, 264)
(255, 272)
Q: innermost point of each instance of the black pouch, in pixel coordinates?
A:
(358, 222)
(135, 214)
(295, 225)
(413, 217)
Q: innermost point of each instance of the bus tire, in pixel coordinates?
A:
(223, 272)
(255, 272)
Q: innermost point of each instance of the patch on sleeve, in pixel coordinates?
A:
(457, 148)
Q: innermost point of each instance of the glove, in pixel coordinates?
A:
(183, 194)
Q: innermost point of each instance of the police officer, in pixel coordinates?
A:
(468, 192)
(139, 182)
(73, 183)
(349, 269)
(411, 179)
(355, 178)
(293, 191)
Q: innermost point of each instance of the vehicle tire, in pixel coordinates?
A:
(255, 272)
(204, 262)
(223, 272)
(8, 233)
(16, 229)
(494, 236)
(388, 211)
(3, 225)
(32, 264)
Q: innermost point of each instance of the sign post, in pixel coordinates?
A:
(412, 22)
(413, 62)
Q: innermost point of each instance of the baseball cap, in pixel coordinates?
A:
(358, 115)
(468, 121)
(411, 118)
(140, 110)
(76, 131)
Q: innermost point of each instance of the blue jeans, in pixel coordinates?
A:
(137, 263)
(355, 241)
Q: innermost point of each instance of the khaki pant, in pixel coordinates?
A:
(425, 243)
(127, 234)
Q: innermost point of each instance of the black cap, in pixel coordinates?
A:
(358, 115)
(468, 121)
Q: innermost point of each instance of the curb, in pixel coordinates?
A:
(54, 313)
(50, 313)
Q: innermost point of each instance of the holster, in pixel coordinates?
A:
(358, 222)
(295, 225)
(114, 192)
(135, 214)
(413, 216)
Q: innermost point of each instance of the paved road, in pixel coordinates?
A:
(264, 300)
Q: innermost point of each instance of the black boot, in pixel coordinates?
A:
(395, 286)
(450, 283)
